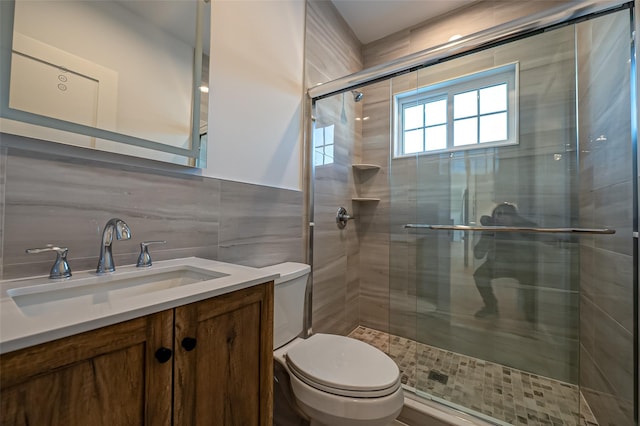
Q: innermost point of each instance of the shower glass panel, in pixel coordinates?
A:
(336, 147)
(512, 326)
(508, 299)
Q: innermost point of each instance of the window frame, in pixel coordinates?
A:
(507, 73)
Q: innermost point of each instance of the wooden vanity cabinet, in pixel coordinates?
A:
(227, 379)
(206, 363)
(104, 377)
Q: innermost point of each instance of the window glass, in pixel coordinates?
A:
(458, 114)
(493, 99)
(436, 112)
(323, 143)
(435, 138)
(493, 127)
(414, 117)
(465, 104)
(328, 153)
(328, 135)
(465, 132)
(413, 141)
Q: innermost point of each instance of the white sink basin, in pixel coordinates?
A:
(49, 297)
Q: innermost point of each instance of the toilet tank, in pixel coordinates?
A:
(288, 304)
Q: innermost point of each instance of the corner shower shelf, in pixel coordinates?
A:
(365, 199)
(365, 167)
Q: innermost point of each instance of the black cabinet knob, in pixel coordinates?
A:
(163, 355)
(189, 343)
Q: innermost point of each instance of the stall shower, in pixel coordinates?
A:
(492, 251)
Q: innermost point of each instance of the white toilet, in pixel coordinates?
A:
(336, 380)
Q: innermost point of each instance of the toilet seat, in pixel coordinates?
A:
(343, 366)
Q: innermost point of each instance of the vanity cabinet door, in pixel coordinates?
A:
(105, 377)
(224, 360)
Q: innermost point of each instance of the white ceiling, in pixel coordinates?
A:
(374, 19)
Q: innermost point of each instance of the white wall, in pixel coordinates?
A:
(256, 92)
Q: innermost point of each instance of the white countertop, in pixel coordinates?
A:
(24, 326)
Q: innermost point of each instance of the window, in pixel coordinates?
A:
(464, 113)
(323, 145)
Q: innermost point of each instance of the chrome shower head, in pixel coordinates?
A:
(357, 96)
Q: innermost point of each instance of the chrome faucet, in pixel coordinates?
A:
(105, 262)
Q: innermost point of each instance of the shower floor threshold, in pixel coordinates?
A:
(484, 388)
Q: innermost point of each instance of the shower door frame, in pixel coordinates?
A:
(635, 119)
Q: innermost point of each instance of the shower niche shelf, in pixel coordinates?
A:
(367, 170)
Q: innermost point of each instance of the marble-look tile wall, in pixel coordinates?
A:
(333, 51)
(374, 224)
(606, 188)
(65, 200)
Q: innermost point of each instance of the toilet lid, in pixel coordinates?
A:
(338, 363)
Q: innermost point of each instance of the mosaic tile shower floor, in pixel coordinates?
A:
(509, 395)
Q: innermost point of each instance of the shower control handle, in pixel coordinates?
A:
(342, 217)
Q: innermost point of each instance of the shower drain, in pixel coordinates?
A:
(438, 377)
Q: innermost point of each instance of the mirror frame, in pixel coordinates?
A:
(7, 13)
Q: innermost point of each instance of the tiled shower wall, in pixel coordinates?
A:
(332, 51)
(66, 200)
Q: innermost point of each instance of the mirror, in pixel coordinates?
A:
(121, 76)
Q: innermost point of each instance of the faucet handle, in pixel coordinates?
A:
(60, 268)
(144, 259)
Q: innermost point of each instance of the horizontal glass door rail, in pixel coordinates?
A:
(511, 229)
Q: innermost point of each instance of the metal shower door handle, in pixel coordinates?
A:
(511, 229)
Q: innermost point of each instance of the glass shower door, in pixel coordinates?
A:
(512, 324)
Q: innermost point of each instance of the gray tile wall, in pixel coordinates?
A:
(66, 200)
(331, 52)
(606, 185)
(374, 225)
